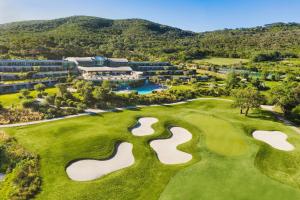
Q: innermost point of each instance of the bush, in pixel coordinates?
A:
(81, 107)
(296, 111)
(22, 170)
(16, 115)
(50, 99)
(39, 95)
(30, 104)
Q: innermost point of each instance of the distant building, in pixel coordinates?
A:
(18, 74)
(100, 68)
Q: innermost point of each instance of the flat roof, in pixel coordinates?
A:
(118, 59)
(81, 59)
(33, 61)
(104, 69)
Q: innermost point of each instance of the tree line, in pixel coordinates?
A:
(142, 40)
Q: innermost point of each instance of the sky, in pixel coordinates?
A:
(194, 15)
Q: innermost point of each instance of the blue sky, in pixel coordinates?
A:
(195, 15)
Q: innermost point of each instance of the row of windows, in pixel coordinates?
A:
(33, 68)
(35, 63)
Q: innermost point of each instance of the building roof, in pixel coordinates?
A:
(80, 59)
(105, 69)
(32, 61)
(118, 59)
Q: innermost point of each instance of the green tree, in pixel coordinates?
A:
(106, 84)
(88, 97)
(40, 88)
(247, 98)
(232, 81)
(286, 96)
(264, 75)
(62, 89)
(24, 94)
(79, 85)
(290, 77)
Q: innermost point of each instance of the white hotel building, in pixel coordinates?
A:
(100, 68)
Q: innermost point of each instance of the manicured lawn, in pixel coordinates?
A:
(183, 87)
(8, 100)
(227, 162)
(270, 84)
(293, 61)
(222, 61)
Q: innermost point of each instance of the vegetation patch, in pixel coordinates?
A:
(22, 180)
(222, 61)
(16, 115)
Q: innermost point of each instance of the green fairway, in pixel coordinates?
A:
(227, 162)
(222, 61)
(8, 100)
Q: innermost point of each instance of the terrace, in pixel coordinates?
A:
(123, 74)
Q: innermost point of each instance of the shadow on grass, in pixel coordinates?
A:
(109, 155)
(264, 115)
(134, 109)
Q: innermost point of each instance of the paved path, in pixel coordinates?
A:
(96, 111)
(279, 117)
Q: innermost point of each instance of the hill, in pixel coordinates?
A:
(139, 39)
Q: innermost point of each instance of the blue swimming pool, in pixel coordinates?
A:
(147, 88)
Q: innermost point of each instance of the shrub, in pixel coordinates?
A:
(30, 103)
(16, 115)
(39, 95)
(81, 107)
(22, 170)
(50, 99)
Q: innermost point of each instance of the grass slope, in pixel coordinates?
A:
(8, 100)
(224, 165)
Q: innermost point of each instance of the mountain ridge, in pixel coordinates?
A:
(140, 39)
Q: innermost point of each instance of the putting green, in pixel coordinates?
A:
(228, 163)
(218, 178)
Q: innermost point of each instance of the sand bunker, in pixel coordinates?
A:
(2, 176)
(166, 149)
(276, 139)
(144, 126)
(87, 170)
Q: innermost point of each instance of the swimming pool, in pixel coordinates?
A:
(147, 88)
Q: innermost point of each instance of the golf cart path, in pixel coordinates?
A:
(285, 121)
(96, 111)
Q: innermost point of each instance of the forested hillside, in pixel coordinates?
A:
(139, 39)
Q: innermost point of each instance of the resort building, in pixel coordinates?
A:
(19, 74)
(112, 69)
(35, 65)
(113, 74)
(100, 68)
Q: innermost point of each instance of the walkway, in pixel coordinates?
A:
(279, 117)
(97, 111)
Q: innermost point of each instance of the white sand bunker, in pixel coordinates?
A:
(2, 176)
(144, 126)
(87, 170)
(276, 139)
(166, 149)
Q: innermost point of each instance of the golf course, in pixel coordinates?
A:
(226, 161)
